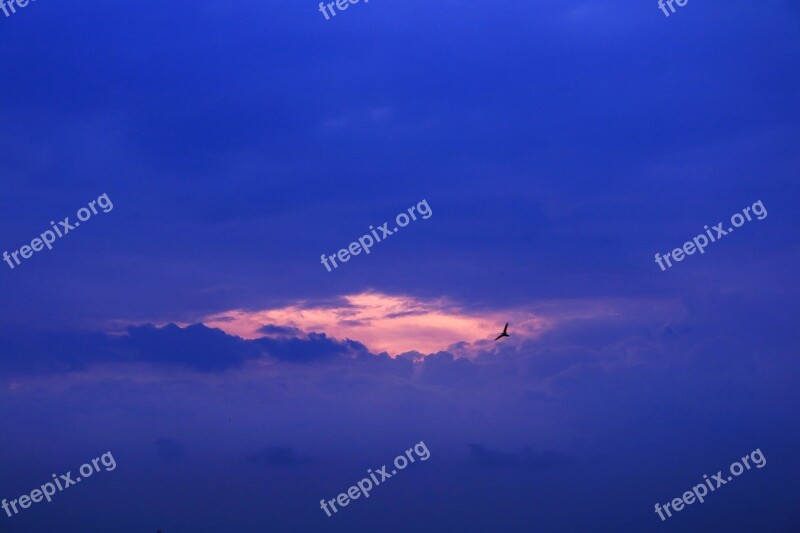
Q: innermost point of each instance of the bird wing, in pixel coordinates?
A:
(499, 336)
(505, 329)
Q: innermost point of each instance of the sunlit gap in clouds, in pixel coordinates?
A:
(386, 323)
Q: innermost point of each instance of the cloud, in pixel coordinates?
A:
(385, 323)
(271, 329)
(558, 341)
(195, 347)
(315, 347)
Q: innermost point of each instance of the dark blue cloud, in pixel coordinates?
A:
(272, 329)
(315, 347)
(196, 347)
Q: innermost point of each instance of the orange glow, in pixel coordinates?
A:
(394, 324)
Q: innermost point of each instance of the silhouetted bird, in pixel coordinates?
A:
(504, 334)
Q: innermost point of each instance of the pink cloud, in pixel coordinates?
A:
(397, 324)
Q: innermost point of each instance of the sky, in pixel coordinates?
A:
(190, 328)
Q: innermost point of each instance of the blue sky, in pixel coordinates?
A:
(194, 333)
